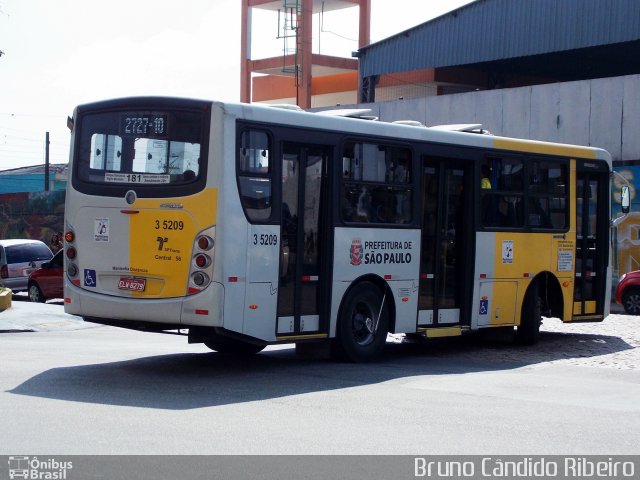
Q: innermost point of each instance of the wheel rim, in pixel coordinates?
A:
(363, 325)
(34, 293)
(632, 303)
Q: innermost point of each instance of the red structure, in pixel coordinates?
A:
(299, 74)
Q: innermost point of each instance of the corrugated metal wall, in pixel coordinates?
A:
(603, 112)
(488, 30)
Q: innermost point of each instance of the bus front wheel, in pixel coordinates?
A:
(363, 324)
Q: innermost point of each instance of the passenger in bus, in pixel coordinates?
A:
(363, 210)
(485, 181)
(510, 210)
(538, 215)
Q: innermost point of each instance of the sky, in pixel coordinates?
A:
(63, 53)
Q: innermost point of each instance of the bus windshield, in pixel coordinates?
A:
(141, 147)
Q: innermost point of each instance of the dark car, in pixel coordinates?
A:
(46, 282)
(628, 292)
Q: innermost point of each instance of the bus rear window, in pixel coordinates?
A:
(143, 148)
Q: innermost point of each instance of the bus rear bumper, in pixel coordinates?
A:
(202, 309)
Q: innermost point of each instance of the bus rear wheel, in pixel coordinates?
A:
(528, 332)
(232, 346)
(363, 324)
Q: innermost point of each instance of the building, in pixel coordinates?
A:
(32, 179)
(492, 44)
(299, 76)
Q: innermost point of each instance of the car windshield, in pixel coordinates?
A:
(56, 261)
(27, 252)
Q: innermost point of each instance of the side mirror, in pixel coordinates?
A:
(625, 199)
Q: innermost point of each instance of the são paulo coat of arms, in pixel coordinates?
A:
(356, 252)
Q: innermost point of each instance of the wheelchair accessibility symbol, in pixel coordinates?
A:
(89, 278)
(484, 306)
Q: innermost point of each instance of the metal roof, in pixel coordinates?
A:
(491, 30)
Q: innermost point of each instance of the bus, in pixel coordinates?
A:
(242, 226)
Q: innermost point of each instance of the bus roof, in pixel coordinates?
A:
(356, 121)
(468, 136)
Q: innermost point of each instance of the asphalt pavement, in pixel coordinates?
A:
(613, 343)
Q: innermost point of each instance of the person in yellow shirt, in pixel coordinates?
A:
(485, 182)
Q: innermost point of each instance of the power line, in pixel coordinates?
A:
(44, 115)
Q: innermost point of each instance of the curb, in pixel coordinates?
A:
(25, 316)
(5, 298)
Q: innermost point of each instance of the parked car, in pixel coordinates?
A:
(628, 292)
(46, 282)
(18, 258)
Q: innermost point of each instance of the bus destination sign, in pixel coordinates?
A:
(144, 124)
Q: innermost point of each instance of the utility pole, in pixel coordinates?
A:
(46, 162)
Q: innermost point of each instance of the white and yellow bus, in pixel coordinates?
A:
(249, 225)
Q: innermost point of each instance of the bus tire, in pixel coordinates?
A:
(232, 346)
(528, 332)
(357, 338)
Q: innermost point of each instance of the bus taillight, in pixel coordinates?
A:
(71, 253)
(202, 262)
(205, 243)
(200, 279)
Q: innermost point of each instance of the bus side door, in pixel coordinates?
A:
(300, 287)
(446, 241)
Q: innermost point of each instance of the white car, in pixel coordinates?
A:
(18, 258)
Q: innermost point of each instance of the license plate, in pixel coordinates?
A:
(130, 283)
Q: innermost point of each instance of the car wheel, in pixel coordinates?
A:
(35, 294)
(631, 301)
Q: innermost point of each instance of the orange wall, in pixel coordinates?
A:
(271, 87)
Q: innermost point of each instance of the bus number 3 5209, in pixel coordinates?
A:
(279, 211)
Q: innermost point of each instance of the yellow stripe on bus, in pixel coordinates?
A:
(442, 332)
(544, 148)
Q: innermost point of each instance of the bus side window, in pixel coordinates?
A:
(502, 193)
(254, 175)
(376, 183)
(547, 200)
